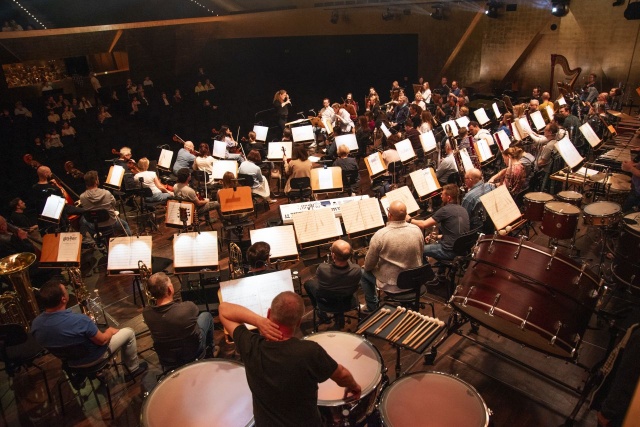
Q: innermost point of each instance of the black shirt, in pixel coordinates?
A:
(280, 110)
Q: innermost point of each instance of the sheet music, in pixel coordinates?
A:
(69, 247)
(501, 207)
(428, 141)
(484, 150)
(481, 116)
(164, 161)
(496, 110)
(524, 125)
(53, 207)
(257, 292)
(515, 131)
(219, 150)
(466, 159)
(568, 152)
(454, 127)
(586, 172)
(550, 112)
(302, 133)
(361, 215)
(195, 249)
(222, 166)
(405, 150)
(375, 164)
(314, 159)
(275, 150)
(562, 101)
(349, 140)
(261, 132)
(325, 179)
(315, 225)
(125, 252)
(423, 182)
(385, 129)
(173, 212)
(116, 172)
(288, 211)
(463, 121)
(590, 135)
(282, 240)
(403, 194)
(538, 120)
(502, 137)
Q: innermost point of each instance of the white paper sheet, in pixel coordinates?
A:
(481, 116)
(164, 161)
(466, 159)
(485, 151)
(423, 182)
(502, 136)
(257, 292)
(53, 207)
(223, 166)
(385, 130)
(405, 150)
(325, 179)
(361, 215)
(496, 110)
(115, 176)
(315, 225)
(550, 112)
(275, 150)
(538, 120)
(219, 150)
(463, 122)
(349, 140)
(197, 250)
(524, 124)
(261, 132)
(404, 195)
(302, 133)
(591, 137)
(125, 252)
(428, 142)
(282, 240)
(568, 152)
(500, 207)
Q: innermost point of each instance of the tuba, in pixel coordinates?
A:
(16, 268)
(11, 311)
(236, 269)
(79, 288)
(145, 273)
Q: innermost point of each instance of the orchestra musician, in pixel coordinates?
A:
(342, 118)
(260, 183)
(546, 102)
(40, 192)
(426, 93)
(444, 88)
(351, 106)
(258, 256)
(226, 136)
(204, 161)
(363, 135)
(514, 175)
(426, 122)
(633, 199)
(455, 89)
(471, 201)
(569, 121)
(299, 166)
(182, 191)
(185, 158)
(159, 193)
(536, 93)
(400, 113)
(347, 164)
(447, 166)
(281, 102)
(589, 90)
(95, 198)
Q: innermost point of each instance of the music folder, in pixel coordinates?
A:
(361, 217)
(425, 182)
(275, 150)
(496, 110)
(61, 250)
(53, 209)
(235, 200)
(194, 252)
(501, 207)
(281, 239)
(316, 227)
(125, 252)
(261, 132)
(164, 161)
(402, 194)
(326, 180)
(349, 140)
(375, 164)
(114, 178)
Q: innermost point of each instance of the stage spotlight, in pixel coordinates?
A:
(387, 15)
(334, 17)
(559, 8)
(491, 10)
(437, 12)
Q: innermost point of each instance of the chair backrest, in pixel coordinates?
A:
(245, 180)
(69, 352)
(332, 303)
(11, 334)
(349, 177)
(463, 244)
(175, 354)
(536, 180)
(199, 175)
(414, 278)
(395, 167)
(97, 216)
(300, 183)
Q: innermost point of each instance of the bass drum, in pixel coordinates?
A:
(432, 399)
(364, 362)
(529, 294)
(202, 394)
(626, 265)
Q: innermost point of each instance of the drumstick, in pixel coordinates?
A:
(423, 340)
(379, 315)
(411, 324)
(404, 318)
(401, 324)
(424, 330)
(426, 322)
(390, 319)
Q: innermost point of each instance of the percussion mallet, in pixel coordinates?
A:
(390, 319)
(426, 322)
(411, 324)
(379, 315)
(400, 324)
(410, 342)
(422, 341)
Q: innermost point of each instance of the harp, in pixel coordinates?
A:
(569, 79)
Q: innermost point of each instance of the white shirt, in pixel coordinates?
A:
(346, 123)
(426, 96)
(148, 178)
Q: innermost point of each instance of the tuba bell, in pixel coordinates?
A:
(16, 268)
(11, 311)
(236, 269)
(145, 273)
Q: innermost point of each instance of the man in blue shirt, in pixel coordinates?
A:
(471, 201)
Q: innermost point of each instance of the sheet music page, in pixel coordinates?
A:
(385, 129)
(282, 240)
(302, 133)
(524, 125)
(257, 292)
(325, 179)
(314, 159)
(261, 132)
(53, 207)
(515, 131)
(562, 101)
(428, 142)
(550, 112)
(586, 172)
(315, 225)
(173, 212)
(69, 247)
(501, 207)
(589, 134)
(195, 249)
(454, 127)
(125, 252)
(275, 150)
(349, 140)
(463, 121)
(502, 136)
(219, 150)
(375, 164)
(164, 161)
(423, 181)
(538, 120)
(405, 150)
(485, 151)
(403, 194)
(568, 152)
(327, 125)
(466, 159)
(481, 116)
(116, 172)
(496, 110)
(222, 166)
(361, 215)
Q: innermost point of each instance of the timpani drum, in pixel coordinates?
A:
(202, 394)
(528, 293)
(364, 362)
(432, 399)
(626, 264)
(602, 214)
(572, 197)
(534, 205)
(560, 220)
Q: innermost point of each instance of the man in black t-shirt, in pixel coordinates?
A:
(283, 372)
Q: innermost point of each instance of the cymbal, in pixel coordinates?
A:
(618, 181)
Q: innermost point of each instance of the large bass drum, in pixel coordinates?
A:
(626, 265)
(209, 393)
(529, 294)
(432, 399)
(363, 360)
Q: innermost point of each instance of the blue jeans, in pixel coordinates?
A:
(436, 251)
(205, 323)
(87, 227)
(368, 285)
(159, 197)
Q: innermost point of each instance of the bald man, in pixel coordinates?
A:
(471, 201)
(185, 158)
(392, 249)
(40, 192)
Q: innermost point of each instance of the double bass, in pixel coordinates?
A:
(66, 191)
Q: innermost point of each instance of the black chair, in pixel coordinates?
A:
(413, 282)
(173, 355)
(336, 305)
(100, 234)
(19, 349)
(349, 180)
(300, 189)
(461, 247)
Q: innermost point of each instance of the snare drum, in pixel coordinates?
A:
(572, 197)
(432, 399)
(207, 393)
(560, 220)
(363, 360)
(534, 205)
(626, 267)
(602, 214)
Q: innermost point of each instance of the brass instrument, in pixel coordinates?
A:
(11, 311)
(236, 270)
(145, 273)
(70, 168)
(16, 268)
(80, 290)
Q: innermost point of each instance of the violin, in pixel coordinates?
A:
(176, 138)
(131, 164)
(53, 180)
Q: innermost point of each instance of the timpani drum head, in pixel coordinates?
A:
(562, 208)
(539, 197)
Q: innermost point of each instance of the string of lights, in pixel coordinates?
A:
(30, 14)
(201, 5)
